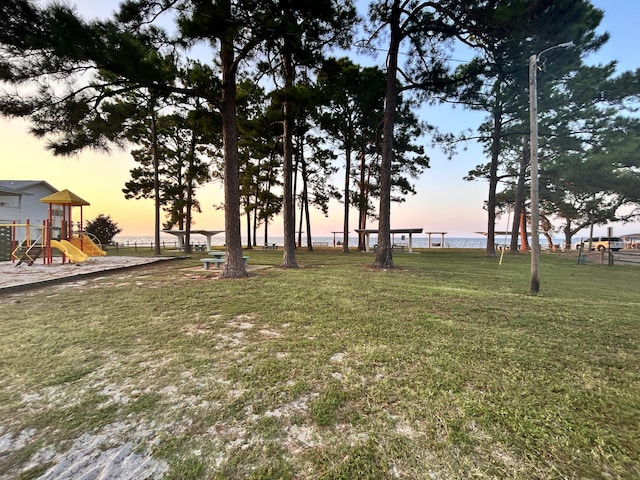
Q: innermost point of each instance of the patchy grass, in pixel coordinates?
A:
(444, 367)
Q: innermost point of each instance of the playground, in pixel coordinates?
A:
(28, 243)
(55, 250)
(13, 277)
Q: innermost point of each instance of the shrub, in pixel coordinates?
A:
(103, 228)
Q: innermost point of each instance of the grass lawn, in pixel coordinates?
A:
(442, 368)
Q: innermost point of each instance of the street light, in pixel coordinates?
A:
(533, 151)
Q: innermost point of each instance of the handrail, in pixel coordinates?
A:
(91, 237)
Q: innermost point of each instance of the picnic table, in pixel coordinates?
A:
(218, 259)
(269, 246)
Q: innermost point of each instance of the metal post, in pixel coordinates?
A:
(533, 151)
(609, 251)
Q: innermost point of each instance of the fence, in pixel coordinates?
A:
(626, 258)
(142, 245)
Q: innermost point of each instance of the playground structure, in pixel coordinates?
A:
(25, 243)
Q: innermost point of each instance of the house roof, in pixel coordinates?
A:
(18, 187)
(12, 191)
(64, 197)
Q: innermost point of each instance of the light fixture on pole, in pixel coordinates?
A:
(533, 152)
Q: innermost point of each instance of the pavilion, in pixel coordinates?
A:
(394, 231)
(182, 233)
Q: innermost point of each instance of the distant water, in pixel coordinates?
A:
(418, 241)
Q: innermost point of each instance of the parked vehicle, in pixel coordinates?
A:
(601, 244)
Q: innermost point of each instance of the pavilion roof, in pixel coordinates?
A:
(64, 197)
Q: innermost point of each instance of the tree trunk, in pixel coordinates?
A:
(364, 201)
(299, 164)
(156, 179)
(493, 181)
(552, 246)
(308, 221)
(255, 222)
(299, 242)
(384, 252)
(248, 219)
(294, 175)
(266, 231)
(347, 184)
(190, 187)
(518, 205)
(289, 256)
(524, 238)
(234, 265)
(181, 214)
(305, 204)
(265, 207)
(568, 236)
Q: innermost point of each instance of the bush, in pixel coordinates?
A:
(103, 228)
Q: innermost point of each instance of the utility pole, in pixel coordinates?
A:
(533, 151)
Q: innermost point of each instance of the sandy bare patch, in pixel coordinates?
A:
(104, 455)
(117, 452)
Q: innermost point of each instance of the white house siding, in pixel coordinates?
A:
(10, 207)
(20, 201)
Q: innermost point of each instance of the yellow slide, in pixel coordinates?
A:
(88, 246)
(72, 252)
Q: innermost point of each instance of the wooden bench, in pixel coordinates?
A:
(218, 261)
(320, 244)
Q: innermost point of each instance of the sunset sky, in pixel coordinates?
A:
(444, 201)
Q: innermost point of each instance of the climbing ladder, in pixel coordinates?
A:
(30, 255)
(28, 251)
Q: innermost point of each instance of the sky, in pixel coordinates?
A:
(444, 201)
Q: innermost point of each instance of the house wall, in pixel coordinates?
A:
(20, 208)
(27, 206)
(32, 209)
(10, 208)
